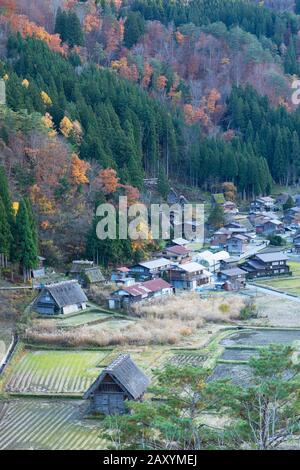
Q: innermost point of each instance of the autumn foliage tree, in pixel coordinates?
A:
(22, 25)
(109, 180)
(79, 170)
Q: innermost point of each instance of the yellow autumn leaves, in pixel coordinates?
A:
(46, 98)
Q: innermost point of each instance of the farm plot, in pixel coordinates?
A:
(55, 372)
(41, 425)
(286, 285)
(187, 358)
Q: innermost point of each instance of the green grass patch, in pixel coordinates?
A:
(295, 268)
(286, 285)
(54, 372)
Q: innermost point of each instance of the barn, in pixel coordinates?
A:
(61, 298)
(122, 380)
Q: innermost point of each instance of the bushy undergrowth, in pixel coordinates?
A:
(167, 322)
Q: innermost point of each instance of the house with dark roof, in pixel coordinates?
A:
(233, 278)
(61, 298)
(119, 382)
(296, 243)
(150, 269)
(263, 203)
(269, 264)
(292, 216)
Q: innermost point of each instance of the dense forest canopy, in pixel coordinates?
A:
(193, 92)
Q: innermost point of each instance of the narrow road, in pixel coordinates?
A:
(265, 290)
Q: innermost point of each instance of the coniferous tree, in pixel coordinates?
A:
(5, 236)
(6, 198)
(32, 222)
(163, 185)
(25, 248)
(216, 217)
(134, 28)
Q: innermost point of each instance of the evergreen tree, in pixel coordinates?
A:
(216, 217)
(68, 26)
(289, 204)
(5, 236)
(25, 248)
(163, 185)
(32, 222)
(134, 28)
(73, 30)
(6, 198)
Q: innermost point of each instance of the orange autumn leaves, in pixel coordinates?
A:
(51, 163)
(79, 169)
(110, 183)
(206, 111)
(22, 25)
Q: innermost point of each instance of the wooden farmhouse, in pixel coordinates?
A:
(61, 298)
(267, 265)
(86, 273)
(122, 380)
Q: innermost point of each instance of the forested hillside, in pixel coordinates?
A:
(198, 92)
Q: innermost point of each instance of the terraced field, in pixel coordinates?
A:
(187, 358)
(39, 424)
(55, 372)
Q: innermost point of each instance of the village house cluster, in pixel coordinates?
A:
(237, 252)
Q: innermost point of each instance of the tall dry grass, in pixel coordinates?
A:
(157, 323)
(190, 307)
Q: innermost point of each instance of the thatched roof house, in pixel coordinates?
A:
(92, 276)
(86, 273)
(122, 380)
(61, 298)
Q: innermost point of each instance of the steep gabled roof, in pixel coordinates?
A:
(127, 374)
(80, 265)
(66, 293)
(94, 275)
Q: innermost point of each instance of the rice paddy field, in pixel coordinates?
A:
(31, 424)
(288, 285)
(67, 373)
(36, 414)
(55, 372)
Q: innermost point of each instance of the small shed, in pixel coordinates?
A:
(61, 298)
(122, 380)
